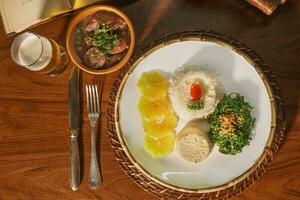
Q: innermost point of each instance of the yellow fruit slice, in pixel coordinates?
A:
(161, 127)
(158, 130)
(153, 109)
(156, 113)
(160, 147)
(171, 119)
(153, 85)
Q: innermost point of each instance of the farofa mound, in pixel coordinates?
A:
(193, 144)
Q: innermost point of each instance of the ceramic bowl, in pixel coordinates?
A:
(70, 39)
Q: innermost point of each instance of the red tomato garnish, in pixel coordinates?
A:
(195, 92)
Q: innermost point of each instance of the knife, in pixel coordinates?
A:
(74, 128)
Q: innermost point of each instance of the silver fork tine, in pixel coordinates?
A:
(87, 98)
(91, 99)
(97, 100)
(94, 98)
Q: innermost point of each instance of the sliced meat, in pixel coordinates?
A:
(118, 23)
(90, 24)
(114, 59)
(94, 59)
(104, 17)
(125, 35)
(122, 46)
(86, 20)
(80, 51)
(88, 41)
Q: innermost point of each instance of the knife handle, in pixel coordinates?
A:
(74, 161)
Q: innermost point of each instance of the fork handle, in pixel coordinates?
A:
(94, 176)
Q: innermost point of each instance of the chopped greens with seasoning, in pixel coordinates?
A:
(79, 36)
(231, 124)
(104, 39)
(196, 105)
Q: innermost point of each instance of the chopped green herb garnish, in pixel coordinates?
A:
(79, 35)
(196, 105)
(104, 39)
(231, 124)
(79, 28)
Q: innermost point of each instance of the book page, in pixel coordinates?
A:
(77, 4)
(18, 15)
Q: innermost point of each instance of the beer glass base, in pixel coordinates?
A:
(64, 63)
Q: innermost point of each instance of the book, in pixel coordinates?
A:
(267, 6)
(20, 15)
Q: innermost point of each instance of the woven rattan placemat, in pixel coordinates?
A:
(165, 192)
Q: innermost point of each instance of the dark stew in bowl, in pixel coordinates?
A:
(101, 40)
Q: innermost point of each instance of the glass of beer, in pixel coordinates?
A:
(39, 54)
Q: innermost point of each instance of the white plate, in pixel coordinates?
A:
(236, 73)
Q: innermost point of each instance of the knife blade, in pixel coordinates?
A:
(74, 128)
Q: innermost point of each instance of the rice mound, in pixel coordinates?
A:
(180, 83)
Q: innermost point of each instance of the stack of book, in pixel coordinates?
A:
(20, 15)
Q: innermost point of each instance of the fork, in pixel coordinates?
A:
(93, 107)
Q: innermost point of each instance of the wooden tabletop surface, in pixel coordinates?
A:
(34, 136)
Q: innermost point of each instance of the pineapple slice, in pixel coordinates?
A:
(153, 85)
(153, 109)
(161, 127)
(158, 130)
(160, 147)
(171, 118)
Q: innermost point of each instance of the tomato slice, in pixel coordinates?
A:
(195, 92)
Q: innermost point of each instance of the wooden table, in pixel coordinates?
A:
(34, 136)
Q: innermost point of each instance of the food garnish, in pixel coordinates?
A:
(195, 92)
(195, 96)
(196, 105)
(104, 38)
(79, 36)
(156, 114)
(231, 124)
